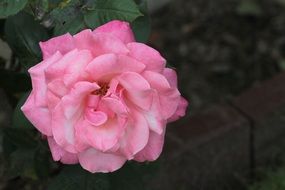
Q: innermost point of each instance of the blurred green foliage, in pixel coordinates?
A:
(273, 181)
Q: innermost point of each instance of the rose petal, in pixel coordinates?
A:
(59, 154)
(115, 105)
(66, 70)
(63, 44)
(153, 148)
(99, 43)
(135, 137)
(180, 111)
(154, 118)
(39, 116)
(102, 137)
(67, 113)
(171, 76)
(95, 118)
(96, 161)
(119, 29)
(157, 81)
(38, 79)
(110, 64)
(147, 55)
(138, 89)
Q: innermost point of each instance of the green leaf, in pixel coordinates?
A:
(23, 35)
(21, 164)
(141, 26)
(21, 138)
(101, 11)
(74, 178)
(11, 7)
(71, 26)
(67, 17)
(8, 79)
(41, 161)
(19, 119)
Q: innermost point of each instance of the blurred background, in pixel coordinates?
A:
(230, 60)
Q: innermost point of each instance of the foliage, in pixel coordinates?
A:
(273, 181)
(23, 24)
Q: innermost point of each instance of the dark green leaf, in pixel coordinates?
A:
(23, 35)
(72, 26)
(101, 11)
(8, 79)
(74, 178)
(133, 176)
(41, 161)
(11, 7)
(19, 119)
(141, 26)
(21, 137)
(67, 17)
(21, 163)
(8, 146)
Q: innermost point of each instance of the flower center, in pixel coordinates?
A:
(103, 89)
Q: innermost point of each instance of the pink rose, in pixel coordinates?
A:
(102, 99)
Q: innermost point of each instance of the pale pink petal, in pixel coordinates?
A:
(66, 70)
(171, 76)
(154, 118)
(169, 102)
(102, 137)
(59, 154)
(119, 29)
(100, 43)
(153, 148)
(63, 44)
(52, 100)
(137, 88)
(96, 161)
(157, 81)
(38, 116)
(96, 118)
(68, 112)
(168, 97)
(147, 55)
(92, 101)
(57, 70)
(58, 88)
(135, 137)
(115, 104)
(180, 111)
(39, 81)
(110, 64)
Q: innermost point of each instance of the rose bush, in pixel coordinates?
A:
(101, 98)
